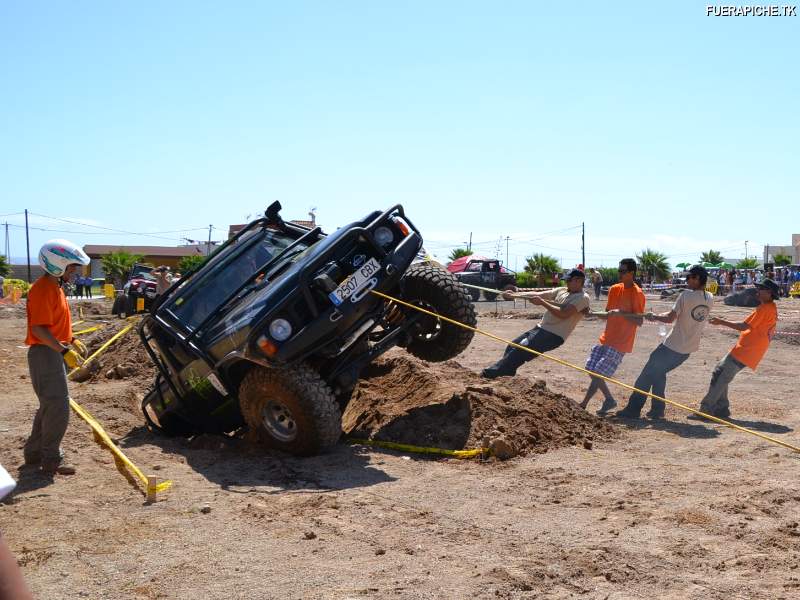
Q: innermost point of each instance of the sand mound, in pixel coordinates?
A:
(126, 358)
(90, 307)
(402, 399)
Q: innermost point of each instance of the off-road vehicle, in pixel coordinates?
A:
(271, 333)
(140, 283)
(488, 273)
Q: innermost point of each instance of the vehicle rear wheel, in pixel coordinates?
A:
(474, 294)
(490, 296)
(290, 409)
(436, 290)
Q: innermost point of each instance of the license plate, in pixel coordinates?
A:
(362, 277)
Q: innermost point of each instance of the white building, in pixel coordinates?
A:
(792, 251)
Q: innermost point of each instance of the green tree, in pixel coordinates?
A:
(712, 256)
(458, 253)
(117, 265)
(782, 260)
(610, 275)
(190, 263)
(654, 264)
(751, 262)
(5, 268)
(542, 266)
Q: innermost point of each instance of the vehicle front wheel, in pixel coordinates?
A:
(438, 291)
(290, 409)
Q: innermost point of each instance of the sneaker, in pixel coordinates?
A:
(608, 404)
(696, 417)
(494, 373)
(61, 468)
(627, 413)
(722, 414)
(655, 415)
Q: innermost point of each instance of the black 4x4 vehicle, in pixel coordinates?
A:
(274, 329)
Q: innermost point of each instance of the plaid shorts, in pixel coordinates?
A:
(604, 360)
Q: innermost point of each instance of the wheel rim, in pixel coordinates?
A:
(428, 328)
(279, 422)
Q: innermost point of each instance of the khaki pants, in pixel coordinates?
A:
(49, 379)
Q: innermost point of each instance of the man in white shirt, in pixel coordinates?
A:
(689, 314)
(564, 306)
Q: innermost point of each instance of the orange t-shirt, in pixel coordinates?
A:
(620, 332)
(47, 306)
(753, 342)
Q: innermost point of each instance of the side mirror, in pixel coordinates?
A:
(272, 213)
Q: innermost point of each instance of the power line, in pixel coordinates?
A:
(110, 229)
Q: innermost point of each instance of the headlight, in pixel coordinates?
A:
(280, 329)
(384, 236)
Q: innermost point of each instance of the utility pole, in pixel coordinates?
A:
(469, 246)
(208, 246)
(7, 247)
(28, 245)
(745, 249)
(583, 245)
(507, 238)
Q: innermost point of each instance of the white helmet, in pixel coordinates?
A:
(56, 255)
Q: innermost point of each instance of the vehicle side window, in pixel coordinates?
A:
(474, 266)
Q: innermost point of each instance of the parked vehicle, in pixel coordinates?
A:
(273, 331)
(140, 284)
(483, 272)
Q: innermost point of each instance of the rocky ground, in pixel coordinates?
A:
(674, 509)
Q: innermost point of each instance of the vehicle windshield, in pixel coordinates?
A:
(230, 272)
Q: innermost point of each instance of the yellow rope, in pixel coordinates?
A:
(101, 437)
(592, 373)
(472, 453)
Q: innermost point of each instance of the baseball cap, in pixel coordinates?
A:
(576, 273)
(770, 285)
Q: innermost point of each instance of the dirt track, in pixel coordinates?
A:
(670, 510)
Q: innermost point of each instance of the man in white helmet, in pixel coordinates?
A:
(52, 348)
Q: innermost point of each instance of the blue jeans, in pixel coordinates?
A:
(716, 399)
(653, 378)
(513, 358)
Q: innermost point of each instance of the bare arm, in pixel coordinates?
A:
(557, 310)
(43, 333)
(737, 325)
(667, 317)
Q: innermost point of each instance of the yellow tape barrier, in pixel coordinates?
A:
(123, 463)
(89, 330)
(592, 373)
(472, 453)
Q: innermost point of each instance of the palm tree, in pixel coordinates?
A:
(541, 265)
(654, 264)
(117, 264)
(782, 260)
(751, 262)
(459, 252)
(712, 256)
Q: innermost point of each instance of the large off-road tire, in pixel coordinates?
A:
(437, 290)
(290, 409)
(490, 296)
(474, 294)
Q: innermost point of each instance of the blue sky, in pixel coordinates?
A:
(652, 123)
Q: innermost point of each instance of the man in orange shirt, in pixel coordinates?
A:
(50, 339)
(757, 331)
(624, 311)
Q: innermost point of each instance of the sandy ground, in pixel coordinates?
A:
(675, 509)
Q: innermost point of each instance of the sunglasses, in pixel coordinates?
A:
(690, 275)
(622, 271)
